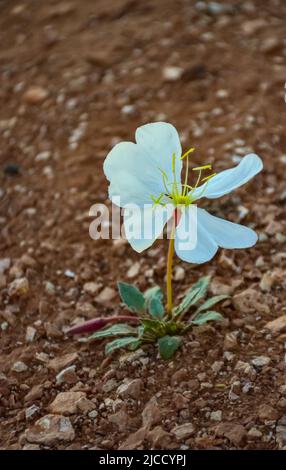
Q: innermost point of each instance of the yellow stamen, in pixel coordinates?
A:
(205, 167)
(209, 177)
(186, 154)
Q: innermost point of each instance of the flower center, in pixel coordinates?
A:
(182, 194)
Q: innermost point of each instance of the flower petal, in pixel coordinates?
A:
(160, 140)
(135, 170)
(228, 180)
(132, 178)
(144, 225)
(227, 234)
(193, 247)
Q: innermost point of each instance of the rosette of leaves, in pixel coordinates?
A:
(154, 324)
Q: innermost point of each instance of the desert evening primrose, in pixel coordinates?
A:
(146, 181)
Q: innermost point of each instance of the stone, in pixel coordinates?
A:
(260, 361)
(266, 282)
(271, 45)
(61, 362)
(119, 246)
(43, 156)
(19, 287)
(219, 288)
(130, 388)
(253, 26)
(172, 73)
(106, 296)
(91, 287)
(93, 414)
(281, 404)
(19, 366)
(255, 433)
(151, 414)
(109, 385)
(133, 271)
(129, 110)
(159, 438)
(179, 274)
(267, 413)
(216, 415)
(230, 341)
(281, 432)
(121, 419)
(5, 264)
(31, 411)
(50, 430)
(278, 325)
(250, 301)
(35, 95)
(30, 334)
(181, 375)
(71, 403)
(35, 393)
(217, 366)
(134, 440)
(282, 389)
(244, 368)
(235, 433)
(67, 375)
(183, 431)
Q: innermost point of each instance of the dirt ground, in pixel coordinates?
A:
(76, 77)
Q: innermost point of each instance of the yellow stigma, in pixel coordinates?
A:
(181, 194)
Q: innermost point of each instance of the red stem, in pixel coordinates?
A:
(97, 323)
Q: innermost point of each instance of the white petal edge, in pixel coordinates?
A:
(225, 233)
(132, 178)
(143, 226)
(160, 140)
(205, 248)
(228, 180)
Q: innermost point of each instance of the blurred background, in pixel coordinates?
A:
(75, 78)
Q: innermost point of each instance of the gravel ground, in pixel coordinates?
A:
(75, 79)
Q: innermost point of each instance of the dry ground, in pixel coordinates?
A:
(100, 68)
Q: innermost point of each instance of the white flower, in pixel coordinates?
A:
(148, 173)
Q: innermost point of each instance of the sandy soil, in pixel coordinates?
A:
(75, 78)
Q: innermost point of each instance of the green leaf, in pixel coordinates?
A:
(194, 294)
(211, 302)
(153, 292)
(203, 317)
(115, 330)
(151, 325)
(153, 298)
(121, 343)
(131, 296)
(168, 345)
(156, 309)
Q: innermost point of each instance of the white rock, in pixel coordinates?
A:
(91, 287)
(43, 156)
(106, 295)
(31, 411)
(50, 430)
(260, 361)
(30, 334)
(133, 271)
(19, 287)
(19, 366)
(128, 110)
(179, 274)
(172, 73)
(5, 263)
(216, 415)
(35, 95)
